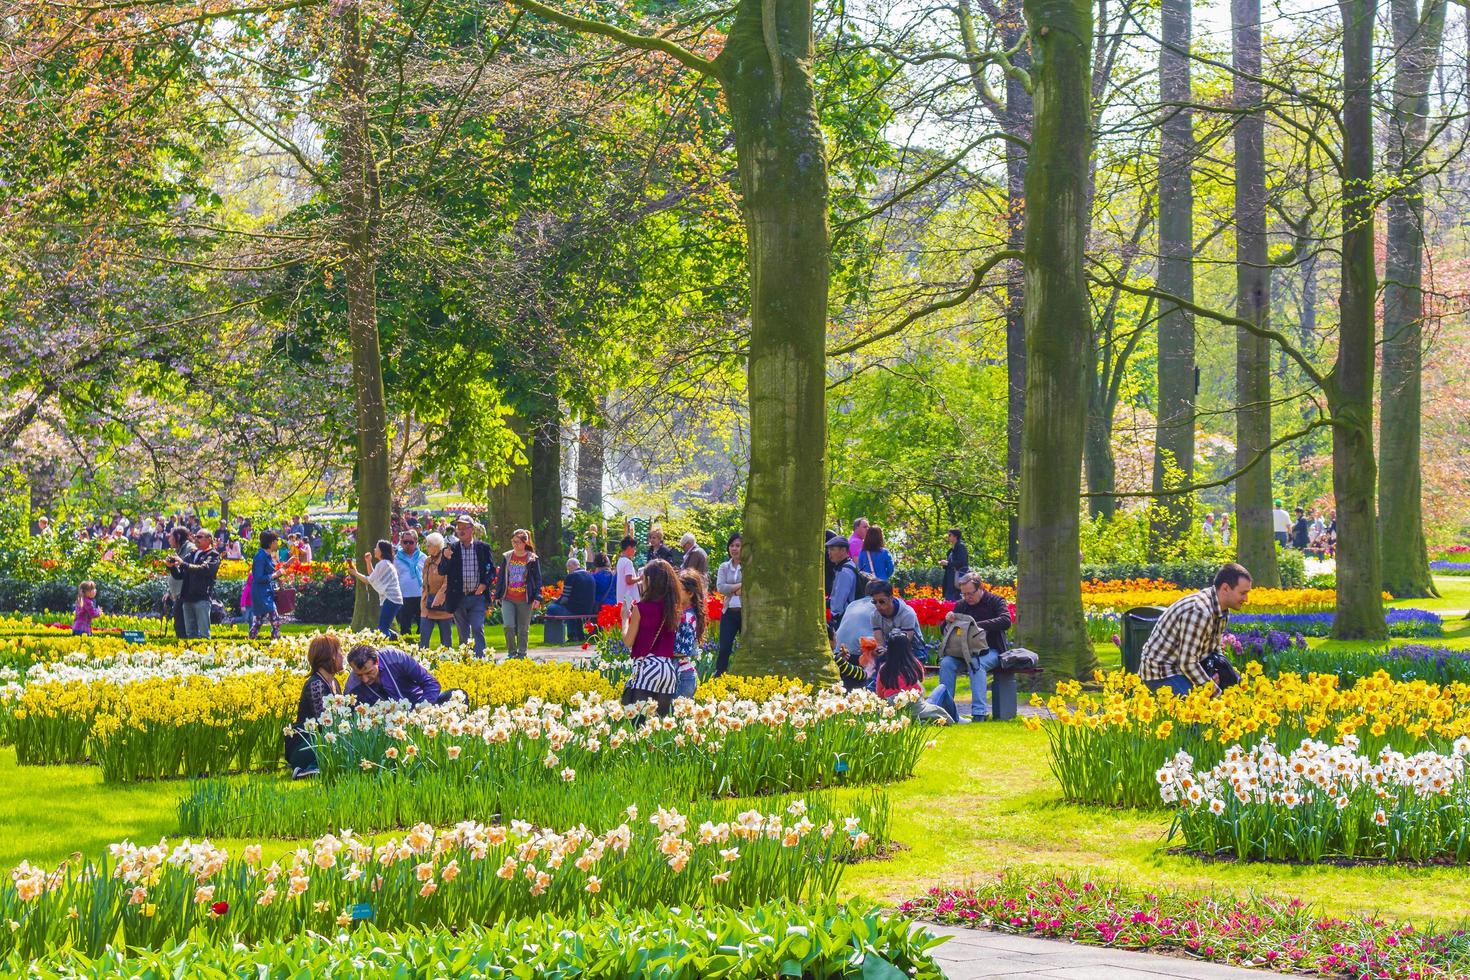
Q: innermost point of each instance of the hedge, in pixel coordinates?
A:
(328, 602)
(1192, 573)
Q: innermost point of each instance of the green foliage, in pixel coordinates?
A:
(819, 940)
(919, 447)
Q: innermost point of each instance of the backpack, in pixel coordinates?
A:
(1019, 658)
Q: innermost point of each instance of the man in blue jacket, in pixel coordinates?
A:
(390, 675)
(578, 598)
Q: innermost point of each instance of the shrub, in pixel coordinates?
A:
(1193, 573)
(826, 940)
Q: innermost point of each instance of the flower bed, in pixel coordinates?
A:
(390, 766)
(144, 715)
(1279, 654)
(1400, 622)
(1445, 567)
(1255, 931)
(450, 877)
(824, 939)
(1107, 748)
(1319, 801)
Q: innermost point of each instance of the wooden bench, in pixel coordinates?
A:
(1003, 690)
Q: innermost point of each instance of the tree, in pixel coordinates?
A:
(1058, 333)
(1174, 434)
(1013, 114)
(1255, 547)
(1349, 388)
(764, 68)
(1400, 483)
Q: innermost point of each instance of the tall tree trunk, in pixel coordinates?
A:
(1174, 432)
(1058, 335)
(546, 486)
(1102, 470)
(765, 69)
(1400, 507)
(360, 215)
(1097, 451)
(1350, 387)
(591, 457)
(1015, 120)
(509, 502)
(1255, 548)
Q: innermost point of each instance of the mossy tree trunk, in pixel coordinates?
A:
(1255, 548)
(766, 71)
(360, 214)
(546, 499)
(1058, 333)
(1174, 428)
(1350, 386)
(1400, 484)
(591, 460)
(509, 502)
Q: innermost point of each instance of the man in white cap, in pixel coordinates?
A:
(469, 567)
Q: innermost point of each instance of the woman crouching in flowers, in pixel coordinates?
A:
(324, 656)
(649, 633)
(692, 624)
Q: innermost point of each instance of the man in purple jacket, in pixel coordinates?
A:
(390, 675)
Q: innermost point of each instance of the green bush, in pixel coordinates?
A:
(1191, 573)
(827, 940)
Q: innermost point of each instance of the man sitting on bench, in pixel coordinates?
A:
(577, 602)
(1189, 631)
(991, 616)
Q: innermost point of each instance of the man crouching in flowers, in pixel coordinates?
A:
(1191, 630)
(391, 675)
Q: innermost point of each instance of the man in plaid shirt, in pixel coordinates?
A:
(1189, 630)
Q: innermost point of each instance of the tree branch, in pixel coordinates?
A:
(583, 25)
(977, 279)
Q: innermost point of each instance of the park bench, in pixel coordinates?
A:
(556, 627)
(1003, 690)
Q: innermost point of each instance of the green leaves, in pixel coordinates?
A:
(826, 940)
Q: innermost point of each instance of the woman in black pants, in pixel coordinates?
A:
(727, 584)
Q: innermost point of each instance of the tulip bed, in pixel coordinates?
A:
(1287, 936)
(822, 939)
(1318, 801)
(383, 766)
(1106, 748)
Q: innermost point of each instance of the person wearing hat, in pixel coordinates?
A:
(844, 581)
(468, 567)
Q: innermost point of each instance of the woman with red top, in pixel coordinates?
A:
(653, 624)
(899, 670)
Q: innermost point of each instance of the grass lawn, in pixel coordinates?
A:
(981, 801)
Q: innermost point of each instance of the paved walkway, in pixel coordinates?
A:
(978, 953)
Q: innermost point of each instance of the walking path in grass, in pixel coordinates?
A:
(973, 954)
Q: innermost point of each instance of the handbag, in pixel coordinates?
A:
(653, 674)
(1019, 658)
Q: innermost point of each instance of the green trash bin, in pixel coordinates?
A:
(1138, 623)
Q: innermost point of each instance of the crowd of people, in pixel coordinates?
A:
(1310, 532)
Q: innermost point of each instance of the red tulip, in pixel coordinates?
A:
(220, 908)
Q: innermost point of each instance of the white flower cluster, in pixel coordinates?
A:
(1311, 773)
(592, 723)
